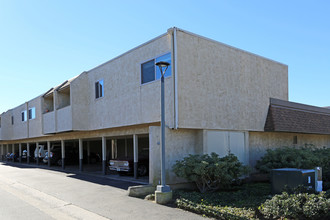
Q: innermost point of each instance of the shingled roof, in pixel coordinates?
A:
(285, 116)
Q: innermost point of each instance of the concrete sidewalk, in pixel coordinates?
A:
(78, 196)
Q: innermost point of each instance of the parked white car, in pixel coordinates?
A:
(39, 152)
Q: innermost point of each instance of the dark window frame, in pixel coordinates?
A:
(155, 73)
(23, 116)
(145, 77)
(30, 115)
(99, 89)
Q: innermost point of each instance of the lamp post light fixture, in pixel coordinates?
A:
(163, 187)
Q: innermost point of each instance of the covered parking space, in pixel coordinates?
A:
(88, 152)
(132, 152)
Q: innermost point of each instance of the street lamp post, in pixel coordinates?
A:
(163, 187)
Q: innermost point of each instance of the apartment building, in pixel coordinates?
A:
(218, 99)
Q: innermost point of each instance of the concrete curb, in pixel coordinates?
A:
(140, 191)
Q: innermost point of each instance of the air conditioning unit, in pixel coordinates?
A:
(292, 178)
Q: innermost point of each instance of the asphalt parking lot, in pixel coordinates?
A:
(32, 191)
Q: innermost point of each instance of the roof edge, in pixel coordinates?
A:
(299, 106)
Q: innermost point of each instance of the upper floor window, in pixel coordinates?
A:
(149, 72)
(0, 122)
(32, 113)
(24, 115)
(99, 90)
(12, 120)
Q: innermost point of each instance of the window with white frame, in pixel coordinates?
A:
(99, 90)
(24, 115)
(149, 72)
(32, 113)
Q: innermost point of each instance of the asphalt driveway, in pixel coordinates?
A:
(65, 195)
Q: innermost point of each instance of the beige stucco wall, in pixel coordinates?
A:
(221, 87)
(6, 126)
(126, 101)
(259, 142)
(35, 125)
(80, 101)
(64, 119)
(19, 126)
(49, 122)
(22, 129)
(179, 144)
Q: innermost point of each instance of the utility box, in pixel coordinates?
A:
(292, 178)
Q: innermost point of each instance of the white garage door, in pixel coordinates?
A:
(221, 142)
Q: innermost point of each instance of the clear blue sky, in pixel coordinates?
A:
(44, 42)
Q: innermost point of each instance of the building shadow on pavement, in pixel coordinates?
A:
(76, 174)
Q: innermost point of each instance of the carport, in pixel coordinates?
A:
(107, 146)
(128, 148)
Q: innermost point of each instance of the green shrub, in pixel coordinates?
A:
(218, 212)
(241, 202)
(301, 157)
(210, 172)
(296, 206)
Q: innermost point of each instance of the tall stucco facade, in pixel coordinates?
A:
(217, 99)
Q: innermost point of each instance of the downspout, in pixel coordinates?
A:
(55, 108)
(176, 121)
(27, 121)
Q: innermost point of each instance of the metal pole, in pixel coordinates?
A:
(163, 187)
(162, 159)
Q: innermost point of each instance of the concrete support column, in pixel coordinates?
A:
(20, 152)
(63, 154)
(136, 150)
(48, 150)
(126, 151)
(104, 156)
(81, 155)
(88, 152)
(28, 153)
(13, 150)
(113, 148)
(7, 151)
(1, 152)
(37, 150)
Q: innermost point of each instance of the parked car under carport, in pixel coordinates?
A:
(125, 165)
